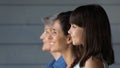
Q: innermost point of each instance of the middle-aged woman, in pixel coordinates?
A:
(61, 41)
(90, 30)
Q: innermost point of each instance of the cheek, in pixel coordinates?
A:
(73, 35)
(60, 43)
(79, 38)
(47, 40)
(76, 37)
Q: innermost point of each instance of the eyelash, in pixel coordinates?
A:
(46, 31)
(73, 26)
(54, 32)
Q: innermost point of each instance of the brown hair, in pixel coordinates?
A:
(97, 33)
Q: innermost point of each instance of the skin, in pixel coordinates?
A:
(46, 39)
(93, 62)
(59, 39)
(76, 33)
(62, 43)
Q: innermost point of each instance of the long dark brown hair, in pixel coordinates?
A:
(97, 33)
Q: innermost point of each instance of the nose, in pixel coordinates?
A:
(41, 37)
(69, 31)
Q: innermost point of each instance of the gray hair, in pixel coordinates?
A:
(49, 20)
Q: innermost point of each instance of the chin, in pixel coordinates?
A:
(75, 43)
(54, 50)
(45, 49)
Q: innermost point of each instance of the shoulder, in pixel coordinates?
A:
(60, 63)
(51, 63)
(93, 62)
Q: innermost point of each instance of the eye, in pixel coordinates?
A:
(54, 31)
(46, 31)
(73, 26)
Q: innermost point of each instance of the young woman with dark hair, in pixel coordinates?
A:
(91, 33)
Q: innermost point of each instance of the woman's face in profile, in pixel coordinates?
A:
(76, 33)
(59, 41)
(46, 38)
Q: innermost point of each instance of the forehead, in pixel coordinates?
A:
(48, 27)
(56, 24)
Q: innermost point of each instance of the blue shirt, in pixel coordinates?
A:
(60, 63)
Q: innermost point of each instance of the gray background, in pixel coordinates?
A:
(20, 28)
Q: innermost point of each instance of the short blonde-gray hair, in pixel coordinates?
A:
(49, 20)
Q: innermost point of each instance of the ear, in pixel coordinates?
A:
(69, 39)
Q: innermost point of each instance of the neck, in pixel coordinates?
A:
(56, 55)
(68, 56)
